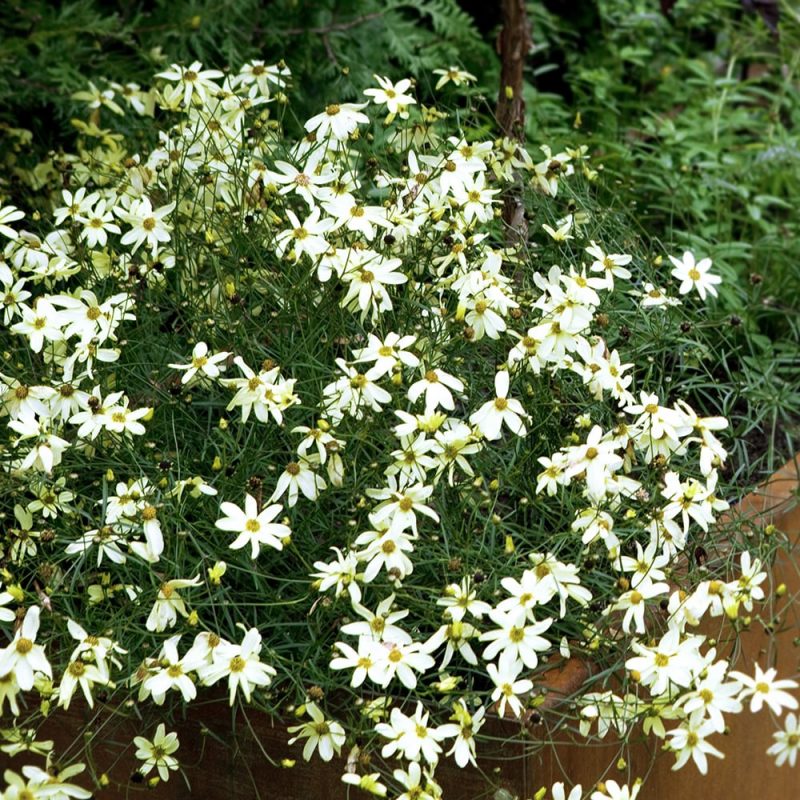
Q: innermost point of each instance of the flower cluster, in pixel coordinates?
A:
(267, 383)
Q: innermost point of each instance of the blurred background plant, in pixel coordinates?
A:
(690, 108)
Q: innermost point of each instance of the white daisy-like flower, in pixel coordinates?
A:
(393, 95)
(241, 664)
(763, 688)
(689, 741)
(338, 120)
(299, 477)
(6, 614)
(610, 265)
(9, 214)
(169, 604)
(79, 673)
(412, 737)
(787, 742)
(158, 752)
(463, 749)
(508, 685)
(516, 637)
(202, 364)
(559, 792)
(694, 275)
(253, 527)
(611, 790)
(387, 353)
(325, 736)
(454, 75)
(148, 225)
(23, 657)
(306, 237)
(39, 323)
(436, 386)
(492, 415)
(194, 80)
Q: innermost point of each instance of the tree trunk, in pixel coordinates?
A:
(513, 45)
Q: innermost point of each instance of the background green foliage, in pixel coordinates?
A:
(692, 116)
(50, 49)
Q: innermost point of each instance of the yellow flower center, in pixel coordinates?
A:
(76, 669)
(377, 624)
(24, 646)
(358, 381)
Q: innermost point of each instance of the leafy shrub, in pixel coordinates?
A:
(296, 392)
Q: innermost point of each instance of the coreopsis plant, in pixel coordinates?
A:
(286, 407)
